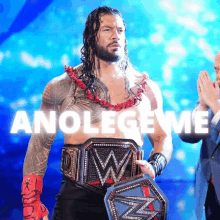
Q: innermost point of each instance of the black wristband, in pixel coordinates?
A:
(158, 161)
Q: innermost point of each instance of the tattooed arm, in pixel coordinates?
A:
(39, 145)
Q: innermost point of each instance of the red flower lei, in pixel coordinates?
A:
(129, 103)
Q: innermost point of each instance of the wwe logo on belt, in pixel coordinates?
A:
(120, 166)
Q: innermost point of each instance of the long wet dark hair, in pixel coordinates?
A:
(88, 50)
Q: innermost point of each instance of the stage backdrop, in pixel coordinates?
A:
(172, 40)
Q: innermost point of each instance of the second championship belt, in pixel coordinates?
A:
(138, 198)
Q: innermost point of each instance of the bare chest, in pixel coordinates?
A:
(77, 100)
(94, 113)
(97, 121)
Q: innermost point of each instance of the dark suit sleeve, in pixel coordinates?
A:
(215, 123)
(193, 137)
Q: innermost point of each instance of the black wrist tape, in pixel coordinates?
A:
(158, 161)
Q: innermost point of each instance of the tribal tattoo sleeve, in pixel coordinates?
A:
(39, 146)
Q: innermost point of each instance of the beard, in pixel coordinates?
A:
(103, 54)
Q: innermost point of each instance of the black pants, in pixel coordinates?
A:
(77, 203)
(212, 205)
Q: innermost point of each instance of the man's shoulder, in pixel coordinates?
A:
(59, 79)
(135, 77)
(59, 87)
(64, 77)
(154, 86)
(151, 89)
(139, 78)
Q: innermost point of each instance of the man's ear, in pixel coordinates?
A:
(97, 37)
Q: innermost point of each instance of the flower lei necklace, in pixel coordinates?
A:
(128, 104)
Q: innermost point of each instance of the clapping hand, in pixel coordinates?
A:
(208, 91)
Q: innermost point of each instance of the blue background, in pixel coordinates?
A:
(170, 39)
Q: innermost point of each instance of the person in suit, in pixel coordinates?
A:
(207, 188)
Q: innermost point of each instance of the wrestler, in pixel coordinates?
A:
(207, 173)
(105, 81)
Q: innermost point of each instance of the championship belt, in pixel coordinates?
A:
(138, 198)
(101, 162)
